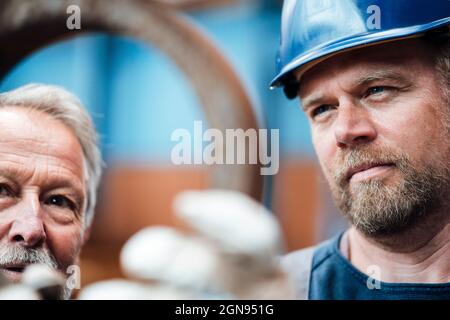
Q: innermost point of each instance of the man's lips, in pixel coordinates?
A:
(14, 271)
(367, 170)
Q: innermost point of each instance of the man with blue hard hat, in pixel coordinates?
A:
(373, 77)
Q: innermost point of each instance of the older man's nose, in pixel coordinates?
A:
(28, 228)
(29, 234)
(353, 126)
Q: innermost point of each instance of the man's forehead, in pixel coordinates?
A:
(391, 58)
(38, 137)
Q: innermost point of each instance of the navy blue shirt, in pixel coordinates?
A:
(334, 277)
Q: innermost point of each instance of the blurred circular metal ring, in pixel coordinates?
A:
(27, 25)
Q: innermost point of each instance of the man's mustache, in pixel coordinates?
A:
(19, 255)
(348, 160)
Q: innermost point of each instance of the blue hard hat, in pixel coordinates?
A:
(313, 30)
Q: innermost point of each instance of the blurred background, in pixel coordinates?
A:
(138, 97)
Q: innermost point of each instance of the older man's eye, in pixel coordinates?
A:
(61, 201)
(5, 191)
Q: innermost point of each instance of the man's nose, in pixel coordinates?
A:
(28, 227)
(353, 126)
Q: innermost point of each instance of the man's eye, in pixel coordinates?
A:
(5, 191)
(376, 90)
(61, 201)
(320, 110)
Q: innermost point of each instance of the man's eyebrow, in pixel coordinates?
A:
(311, 100)
(380, 75)
(377, 75)
(59, 182)
(55, 181)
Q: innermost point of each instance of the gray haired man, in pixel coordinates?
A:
(50, 167)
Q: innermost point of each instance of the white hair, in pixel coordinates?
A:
(67, 108)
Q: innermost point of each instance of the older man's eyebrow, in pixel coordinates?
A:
(54, 181)
(59, 182)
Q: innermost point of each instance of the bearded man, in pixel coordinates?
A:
(378, 104)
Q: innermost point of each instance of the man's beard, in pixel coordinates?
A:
(16, 254)
(380, 208)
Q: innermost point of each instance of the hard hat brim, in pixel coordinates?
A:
(308, 59)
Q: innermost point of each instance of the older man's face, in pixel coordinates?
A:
(42, 192)
(379, 123)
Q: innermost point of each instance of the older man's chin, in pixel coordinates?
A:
(15, 275)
